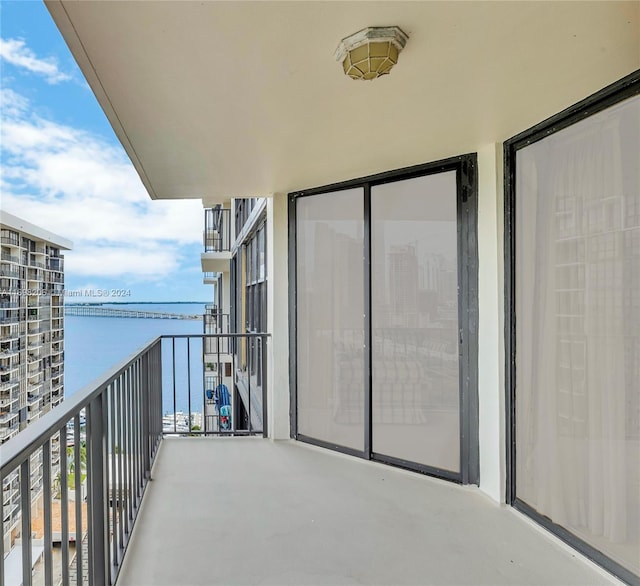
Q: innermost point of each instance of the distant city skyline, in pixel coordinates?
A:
(64, 169)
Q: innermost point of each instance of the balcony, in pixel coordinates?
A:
(10, 241)
(209, 278)
(214, 321)
(8, 336)
(217, 240)
(55, 264)
(7, 351)
(9, 273)
(225, 508)
(8, 320)
(7, 382)
(8, 257)
(8, 366)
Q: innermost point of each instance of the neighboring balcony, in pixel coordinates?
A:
(224, 508)
(217, 240)
(210, 278)
(8, 257)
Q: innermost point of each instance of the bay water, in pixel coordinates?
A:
(93, 345)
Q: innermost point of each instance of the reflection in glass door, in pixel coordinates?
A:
(414, 321)
(329, 317)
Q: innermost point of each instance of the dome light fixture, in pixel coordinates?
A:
(371, 52)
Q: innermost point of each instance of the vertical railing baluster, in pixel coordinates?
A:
(132, 440)
(249, 365)
(173, 370)
(138, 443)
(111, 496)
(130, 453)
(263, 367)
(77, 463)
(123, 455)
(189, 380)
(64, 506)
(147, 405)
(25, 510)
(203, 348)
(136, 435)
(97, 505)
(48, 538)
(120, 469)
(154, 393)
(157, 395)
(217, 389)
(133, 483)
(2, 532)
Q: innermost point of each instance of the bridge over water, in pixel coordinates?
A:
(97, 311)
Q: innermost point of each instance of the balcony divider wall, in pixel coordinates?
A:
(383, 357)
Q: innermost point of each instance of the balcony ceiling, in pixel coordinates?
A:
(219, 99)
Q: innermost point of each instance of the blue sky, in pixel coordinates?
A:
(63, 169)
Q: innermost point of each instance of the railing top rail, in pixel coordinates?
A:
(16, 451)
(248, 335)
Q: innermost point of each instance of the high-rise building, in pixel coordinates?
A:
(31, 339)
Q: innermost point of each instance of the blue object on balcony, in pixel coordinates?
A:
(225, 417)
(222, 396)
(209, 395)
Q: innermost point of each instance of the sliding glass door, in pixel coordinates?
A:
(575, 210)
(383, 330)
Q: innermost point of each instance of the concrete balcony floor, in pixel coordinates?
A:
(238, 511)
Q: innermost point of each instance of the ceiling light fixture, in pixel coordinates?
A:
(371, 52)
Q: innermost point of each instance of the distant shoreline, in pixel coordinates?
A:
(93, 303)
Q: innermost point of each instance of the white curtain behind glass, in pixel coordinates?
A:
(577, 321)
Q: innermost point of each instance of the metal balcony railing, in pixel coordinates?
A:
(217, 230)
(9, 257)
(55, 264)
(10, 240)
(12, 319)
(112, 429)
(10, 273)
(216, 323)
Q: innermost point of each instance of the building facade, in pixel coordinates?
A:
(31, 340)
(234, 262)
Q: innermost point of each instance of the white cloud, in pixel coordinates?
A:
(85, 189)
(15, 52)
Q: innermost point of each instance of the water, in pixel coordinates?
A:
(94, 345)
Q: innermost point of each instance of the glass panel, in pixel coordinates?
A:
(578, 330)
(415, 320)
(330, 322)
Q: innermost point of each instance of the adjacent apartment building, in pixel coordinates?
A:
(31, 340)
